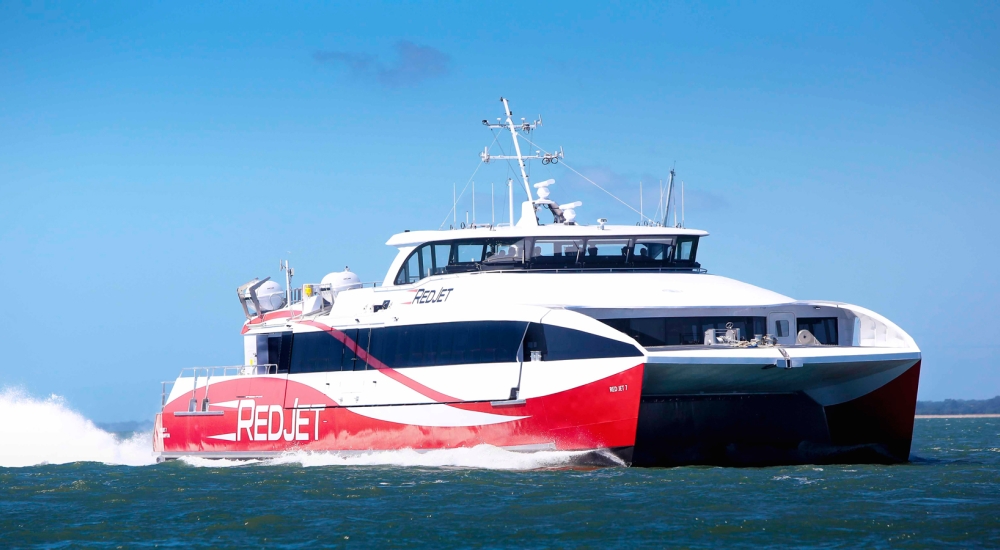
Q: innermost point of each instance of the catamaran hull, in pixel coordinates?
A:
(808, 425)
(272, 415)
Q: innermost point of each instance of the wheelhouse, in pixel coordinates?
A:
(556, 252)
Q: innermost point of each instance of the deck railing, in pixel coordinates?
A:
(208, 373)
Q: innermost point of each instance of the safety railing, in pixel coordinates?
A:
(208, 373)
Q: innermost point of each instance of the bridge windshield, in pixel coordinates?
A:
(657, 253)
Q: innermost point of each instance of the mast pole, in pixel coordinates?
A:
(670, 192)
(640, 202)
(510, 196)
(682, 204)
(517, 147)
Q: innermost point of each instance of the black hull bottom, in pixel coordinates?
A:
(777, 429)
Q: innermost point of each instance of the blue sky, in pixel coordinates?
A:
(153, 157)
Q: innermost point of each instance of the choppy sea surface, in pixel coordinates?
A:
(66, 483)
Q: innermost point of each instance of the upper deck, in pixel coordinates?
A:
(414, 238)
(563, 247)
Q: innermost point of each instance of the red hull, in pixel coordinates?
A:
(599, 415)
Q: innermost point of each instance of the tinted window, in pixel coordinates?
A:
(409, 346)
(357, 340)
(823, 328)
(274, 349)
(504, 252)
(560, 343)
(684, 251)
(448, 343)
(549, 253)
(467, 253)
(683, 331)
(410, 272)
(652, 250)
(426, 263)
(315, 352)
(441, 252)
(555, 252)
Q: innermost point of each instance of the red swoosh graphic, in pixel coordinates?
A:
(267, 317)
(382, 367)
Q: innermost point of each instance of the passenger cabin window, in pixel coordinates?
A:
(436, 344)
(547, 253)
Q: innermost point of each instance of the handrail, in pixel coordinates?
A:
(299, 293)
(230, 370)
(208, 373)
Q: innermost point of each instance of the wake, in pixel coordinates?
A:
(46, 431)
(484, 457)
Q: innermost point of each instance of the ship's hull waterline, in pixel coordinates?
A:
(783, 426)
(249, 419)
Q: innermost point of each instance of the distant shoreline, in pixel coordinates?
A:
(956, 416)
(959, 408)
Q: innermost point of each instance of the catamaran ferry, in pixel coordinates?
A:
(609, 340)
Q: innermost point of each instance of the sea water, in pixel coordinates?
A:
(66, 483)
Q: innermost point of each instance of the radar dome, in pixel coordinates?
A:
(340, 281)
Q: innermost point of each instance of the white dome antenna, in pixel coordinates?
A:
(569, 211)
(543, 188)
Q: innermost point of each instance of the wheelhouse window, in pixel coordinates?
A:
(555, 252)
(426, 260)
(685, 250)
(606, 252)
(652, 251)
(546, 253)
(504, 252)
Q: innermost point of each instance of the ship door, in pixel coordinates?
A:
(352, 376)
(781, 325)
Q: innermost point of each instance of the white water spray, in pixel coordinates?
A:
(485, 457)
(47, 431)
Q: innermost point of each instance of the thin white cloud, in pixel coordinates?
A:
(626, 187)
(414, 64)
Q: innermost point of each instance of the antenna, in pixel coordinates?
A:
(546, 158)
(473, 202)
(289, 273)
(682, 204)
(659, 202)
(670, 195)
(493, 209)
(454, 206)
(640, 202)
(510, 195)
